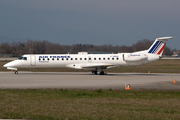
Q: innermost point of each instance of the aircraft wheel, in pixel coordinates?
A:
(16, 72)
(102, 73)
(94, 72)
(98, 73)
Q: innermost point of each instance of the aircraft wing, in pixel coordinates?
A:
(86, 66)
(103, 66)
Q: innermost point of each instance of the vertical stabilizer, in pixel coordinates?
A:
(158, 46)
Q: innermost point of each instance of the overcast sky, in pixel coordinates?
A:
(98, 22)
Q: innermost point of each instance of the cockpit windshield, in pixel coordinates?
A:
(22, 58)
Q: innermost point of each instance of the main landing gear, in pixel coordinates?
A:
(101, 73)
(98, 72)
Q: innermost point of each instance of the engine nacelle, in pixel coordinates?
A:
(132, 57)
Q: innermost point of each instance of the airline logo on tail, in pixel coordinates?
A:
(157, 48)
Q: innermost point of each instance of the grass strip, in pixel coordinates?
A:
(89, 104)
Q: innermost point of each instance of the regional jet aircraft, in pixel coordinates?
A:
(93, 62)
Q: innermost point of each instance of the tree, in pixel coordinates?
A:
(142, 45)
(45, 47)
(6, 48)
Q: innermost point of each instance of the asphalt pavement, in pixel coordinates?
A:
(85, 80)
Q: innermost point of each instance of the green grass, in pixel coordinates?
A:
(89, 104)
(160, 66)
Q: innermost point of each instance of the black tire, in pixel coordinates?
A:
(102, 73)
(94, 72)
(16, 72)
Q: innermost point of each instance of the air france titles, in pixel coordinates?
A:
(46, 58)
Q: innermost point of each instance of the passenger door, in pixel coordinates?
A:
(33, 60)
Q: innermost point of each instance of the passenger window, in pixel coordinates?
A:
(48, 59)
(62, 58)
(66, 58)
(39, 59)
(71, 58)
(57, 58)
(103, 58)
(99, 58)
(112, 58)
(85, 59)
(43, 59)
(117, 58)
(53, 59)
(89, 58)
(94, 58)
(80, 58)
(75, 58)
(108, 58)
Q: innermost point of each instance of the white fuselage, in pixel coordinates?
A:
(82, 61)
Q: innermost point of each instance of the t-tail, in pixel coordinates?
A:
(158, 46)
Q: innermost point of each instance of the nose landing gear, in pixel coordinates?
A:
(16, 72)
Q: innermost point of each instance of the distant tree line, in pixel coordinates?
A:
(46, 47)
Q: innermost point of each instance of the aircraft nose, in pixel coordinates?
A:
(6, 65)
(10, 64)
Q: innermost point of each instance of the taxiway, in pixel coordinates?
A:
(85, 80)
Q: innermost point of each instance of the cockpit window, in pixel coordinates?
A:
(20, 58)
(24, 58)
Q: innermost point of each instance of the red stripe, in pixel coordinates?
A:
(161, 49)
